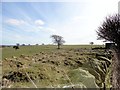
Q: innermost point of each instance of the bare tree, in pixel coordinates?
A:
(58, 40)
(110, 31)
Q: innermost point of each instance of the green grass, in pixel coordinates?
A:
(8, 52)
(49, 66)
(26, 50)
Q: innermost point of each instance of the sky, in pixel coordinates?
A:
(34, 21)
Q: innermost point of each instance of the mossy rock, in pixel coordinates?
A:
(83, 77)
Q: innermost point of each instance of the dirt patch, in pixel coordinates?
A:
(16, 76)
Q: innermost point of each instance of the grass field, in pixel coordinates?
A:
(30, 50)
(75, 66)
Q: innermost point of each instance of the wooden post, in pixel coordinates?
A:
(116, 70)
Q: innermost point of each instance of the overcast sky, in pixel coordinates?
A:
(34, 22)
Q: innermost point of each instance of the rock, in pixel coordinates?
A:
(66, 62)
(44, 61)
(27, 58)
(70, 58)
(22, 55)
(77, 53)
(36, 54)
(55, 62)
(52, 62)
(42, 76)
(14, 57)
(5, 83)
(80, 58)
(33, 59)
(40, 59)
(19, 64)
(78, 62)
(58, 71)
(6, 58)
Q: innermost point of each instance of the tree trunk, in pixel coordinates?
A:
(116, 70)
(58, 46)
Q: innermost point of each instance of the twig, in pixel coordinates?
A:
(31, 80)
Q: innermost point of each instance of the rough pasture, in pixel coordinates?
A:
(48, 67)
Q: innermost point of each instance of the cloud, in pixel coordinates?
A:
(77, 18)
(46, 29)
(50, 29)
(16, 22)
(39, 22)
(40, 27)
